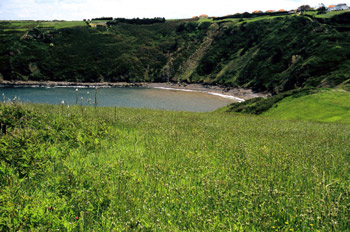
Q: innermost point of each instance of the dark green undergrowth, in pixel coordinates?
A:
(117, 169)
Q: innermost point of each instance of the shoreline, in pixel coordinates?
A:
(236, 94)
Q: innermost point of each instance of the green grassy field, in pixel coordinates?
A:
(117, 169)
(16, 26)
(29, 25)
(63, 24)
(324, 106)
(329, 14)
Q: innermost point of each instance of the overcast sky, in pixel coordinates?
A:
(171, 9)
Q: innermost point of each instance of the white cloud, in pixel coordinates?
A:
(80, 9)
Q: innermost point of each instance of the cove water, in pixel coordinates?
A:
(136, 97)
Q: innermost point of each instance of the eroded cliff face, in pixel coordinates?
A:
(274, 54)
(189, 66)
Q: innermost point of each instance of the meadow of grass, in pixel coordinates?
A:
(330, 14)
(264, 18)
(22, 24)
(238, 20)
(61, 24)
(16, 26)
(117, 169)
(324, 106)
(29, 25)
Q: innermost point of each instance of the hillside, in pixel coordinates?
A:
(273, 53)
(85, 169)
(309, 104)
(324, 106)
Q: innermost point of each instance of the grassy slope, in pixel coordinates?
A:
(60, 24)
(324, 106)
(327, 15)
(311, 104)
(85, 169)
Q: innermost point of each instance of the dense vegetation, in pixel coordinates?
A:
(104, 169)
(252, 15)
(143, 21)
(274, 53)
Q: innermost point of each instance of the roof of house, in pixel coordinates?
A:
(281, 10)
(331, 6)
(203, 15)
(269, 11)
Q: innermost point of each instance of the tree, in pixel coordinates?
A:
(304, 8)
(322, 9)
(246, 15)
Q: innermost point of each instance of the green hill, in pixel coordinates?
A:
(323, 106)
(273, 53)
(311, 104)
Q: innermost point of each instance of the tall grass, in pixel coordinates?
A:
(146, 170)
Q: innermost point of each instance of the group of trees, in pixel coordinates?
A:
(113, 21)
(103, 18)
(303, 8)
(252, 15)
(143, 21)
(320, 10)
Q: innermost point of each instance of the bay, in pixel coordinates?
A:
(135, 97)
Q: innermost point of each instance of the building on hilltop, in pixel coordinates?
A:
(100, 24)
(338, 7)
(203, 16)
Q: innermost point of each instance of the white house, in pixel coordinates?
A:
(338, 7)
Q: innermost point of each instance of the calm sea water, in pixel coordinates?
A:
(124, 97)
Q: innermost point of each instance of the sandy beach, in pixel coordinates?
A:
(237, 94)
